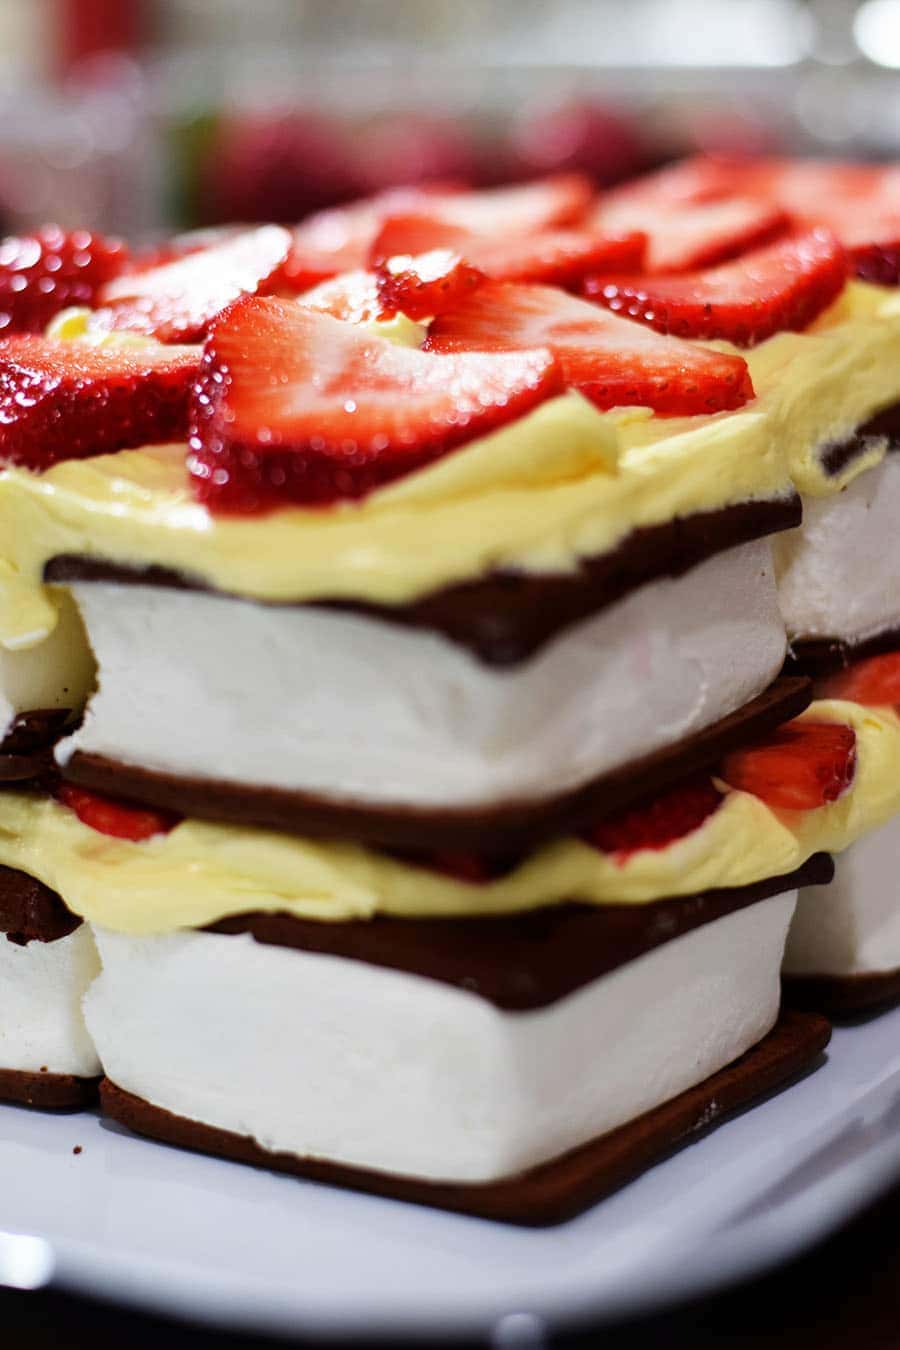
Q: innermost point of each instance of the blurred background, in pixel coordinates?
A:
(138, 116)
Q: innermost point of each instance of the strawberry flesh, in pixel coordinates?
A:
(781, 287)
(354, 297)
(874, 682)
(557, 257)
(426, 284)
(342, 239)
(658, 823)
(47, 271)
(610, 360)
(799, 767)
(684, 236)
(116, 818)
(67, 400)
(177, 301)
(296, 406)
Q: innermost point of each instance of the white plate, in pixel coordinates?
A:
(178, 1233)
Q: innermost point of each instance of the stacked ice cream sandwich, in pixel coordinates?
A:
(438, 810)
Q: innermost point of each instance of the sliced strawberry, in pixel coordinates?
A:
(658, 823)
(683, 236)
(340, 240)
(44, 272)
(109, 815)
(798, 767)
(559, 257)
(611, 361)
(181, 246)
(178, 301)
(874, 682)
(427, 283)
(783, 286)
(295, 406)
(543, 204)
(66, 400)
(353, 296)
(859, 203)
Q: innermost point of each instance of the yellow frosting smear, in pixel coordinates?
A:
(816, 387)
(562, 483)
(202, 872)
(536, 494)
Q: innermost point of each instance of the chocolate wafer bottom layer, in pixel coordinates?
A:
(555, 1191)
(843, 995)
(47, 1091)
(512, 827)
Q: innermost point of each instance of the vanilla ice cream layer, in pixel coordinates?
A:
(839, 573)
(354, 708)
(57, 673)
(336, 1059)
(851, 927)
(41, 988)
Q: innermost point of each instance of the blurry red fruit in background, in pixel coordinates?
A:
(276, 167)
(583, 134)
(412, 148)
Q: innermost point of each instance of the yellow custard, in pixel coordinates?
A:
(563, 483)
(201, 872)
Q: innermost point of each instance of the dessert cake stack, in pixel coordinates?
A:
(402, 783)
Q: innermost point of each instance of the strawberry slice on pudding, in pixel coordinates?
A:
(682, 236)
(342, 238)
(557, 257)
(295, 406)
(67, 400)
(658, 823)
(177, 301)
(874, 682)
(799, 767)
(45, 272)
(781, 287)
(611, 361)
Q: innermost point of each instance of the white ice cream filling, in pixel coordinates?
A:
(41, 988)
(336, 1059)
(350, 707)
(839, 573)
(851, 927)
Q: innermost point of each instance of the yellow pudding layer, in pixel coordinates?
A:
(563, 483)
(202, 872)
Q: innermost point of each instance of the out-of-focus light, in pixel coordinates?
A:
(876, 29)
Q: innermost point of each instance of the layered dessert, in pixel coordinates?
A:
(837, 574)
(438, 704)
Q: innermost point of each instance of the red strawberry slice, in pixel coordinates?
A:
(178, 301)
(354, 297)
(611, 361)
(560, 257)
(781, 287)
(295, 406)
(545, 203)
(658, 823)
(181, 246)
(44, 272)
(341, 239)
(66, 400)
(798, 767)
(874, 682)
(683, 236)
(426, 284)
(109, 815)
(859, 203)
